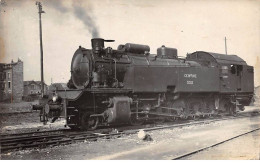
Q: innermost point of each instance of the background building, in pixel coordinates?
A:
(33, 88)
(2, 83)
(11, 81)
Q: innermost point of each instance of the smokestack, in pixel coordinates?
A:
(97, 44)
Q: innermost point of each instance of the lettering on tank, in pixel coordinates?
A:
(190, 75)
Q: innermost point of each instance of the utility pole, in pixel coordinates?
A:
(226, 45)
(40, 28)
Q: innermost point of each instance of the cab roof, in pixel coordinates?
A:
(215, 57)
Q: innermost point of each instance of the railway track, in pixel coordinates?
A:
(25, 142)
(11, 142)
(46, 132)
(208, 147)
(15, 113)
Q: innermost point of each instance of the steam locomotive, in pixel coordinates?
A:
(131, 86)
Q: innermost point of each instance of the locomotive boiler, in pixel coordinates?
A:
(129, 86)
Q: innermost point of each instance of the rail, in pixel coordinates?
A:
(38, 140)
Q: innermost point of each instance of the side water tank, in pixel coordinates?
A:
(165, 52)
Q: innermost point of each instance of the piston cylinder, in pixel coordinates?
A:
(120, 112)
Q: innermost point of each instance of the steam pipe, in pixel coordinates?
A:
(105, 58)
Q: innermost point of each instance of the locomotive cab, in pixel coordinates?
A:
(236, 78)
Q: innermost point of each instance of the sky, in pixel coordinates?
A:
(187, 25)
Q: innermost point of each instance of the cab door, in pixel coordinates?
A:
(237, 72)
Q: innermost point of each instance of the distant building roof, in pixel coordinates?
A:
(25, 83)
(58, 86)
(1, 66)
(10, 65)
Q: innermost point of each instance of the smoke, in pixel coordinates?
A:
(57, 4)
(86, 18)
(2, 5)
(81, 13)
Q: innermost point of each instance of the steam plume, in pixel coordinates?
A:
(81, 13)
(57, 4)
(86, 18)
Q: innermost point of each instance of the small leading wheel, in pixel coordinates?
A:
(88, 123)
(136, 119)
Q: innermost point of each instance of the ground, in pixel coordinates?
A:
(19, 117)
(242, 148)
(16, 107)
(166, 144)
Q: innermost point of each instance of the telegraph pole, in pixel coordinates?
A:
(226, 45)
(40, 28)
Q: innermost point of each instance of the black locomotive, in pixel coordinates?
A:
(129, 85)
